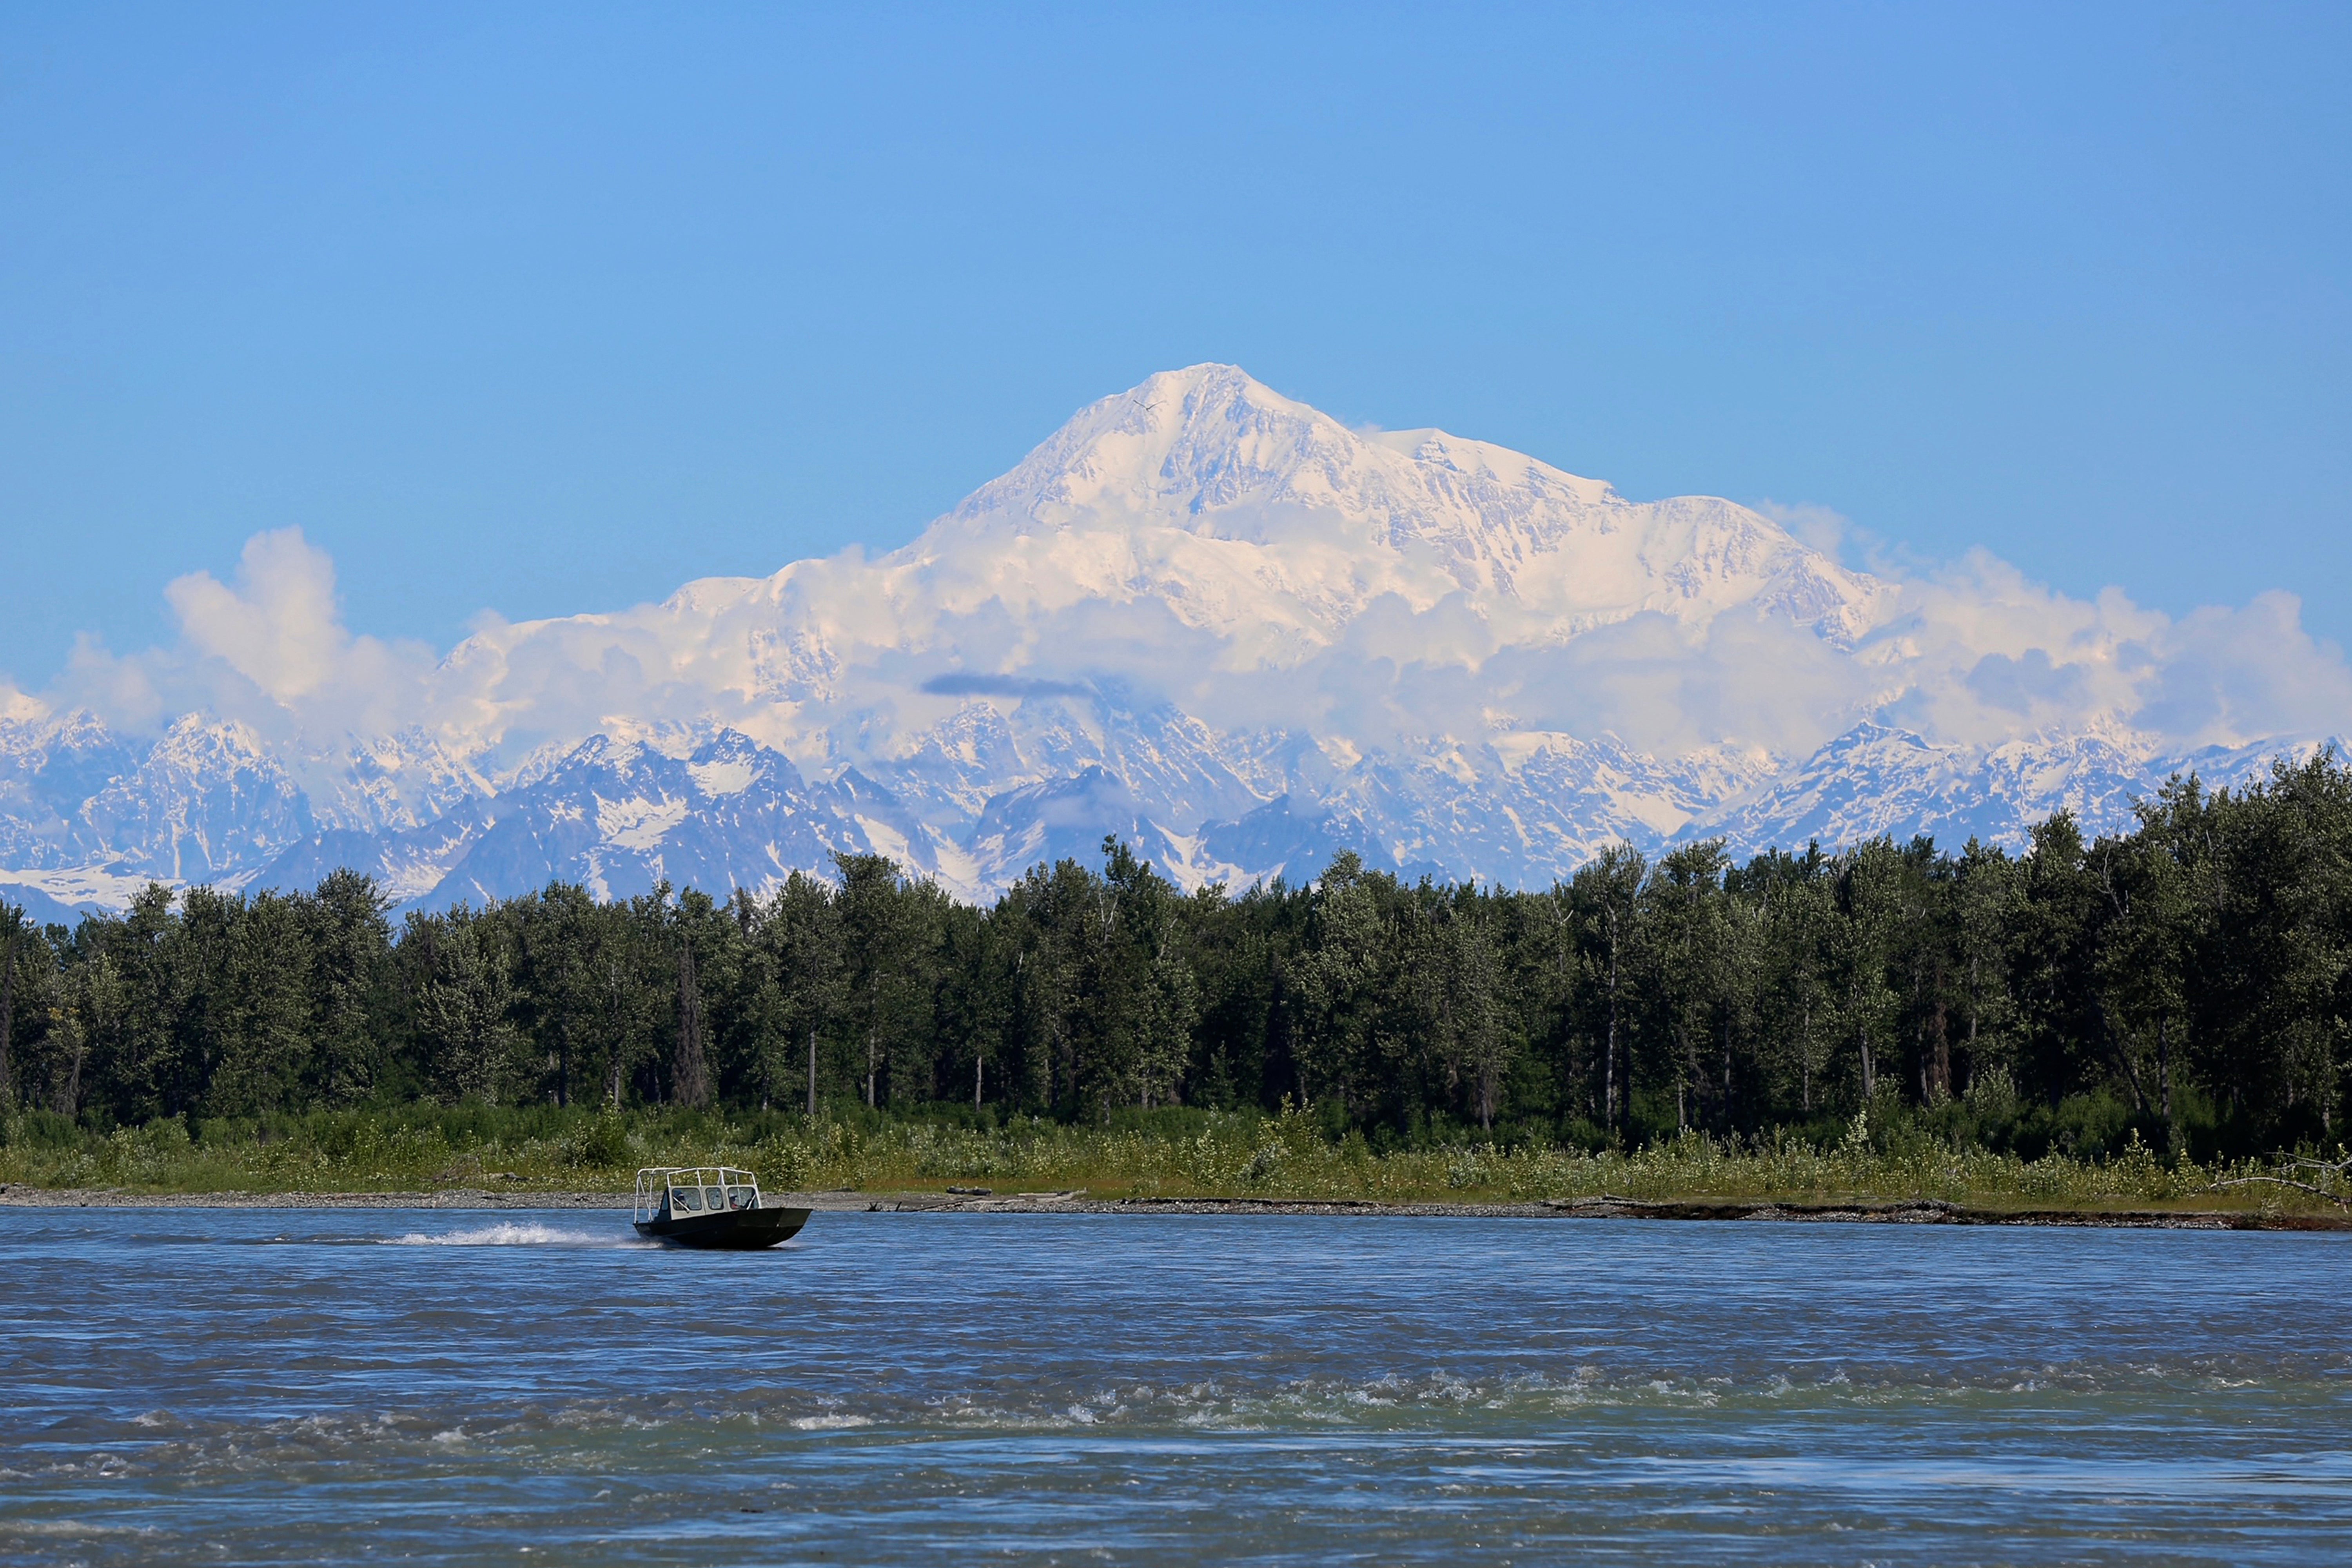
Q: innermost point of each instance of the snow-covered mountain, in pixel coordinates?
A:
(1209, 619)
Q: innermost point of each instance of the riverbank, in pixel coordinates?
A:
(478, 1157)
(1607, 1206)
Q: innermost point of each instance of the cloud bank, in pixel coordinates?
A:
(1202, 544)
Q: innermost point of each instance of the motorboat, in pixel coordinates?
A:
(711, 1207)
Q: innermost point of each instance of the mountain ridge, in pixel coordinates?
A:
(1202, 616)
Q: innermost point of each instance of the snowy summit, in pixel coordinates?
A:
(1202, 616)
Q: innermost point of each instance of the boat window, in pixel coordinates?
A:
(714, 1197)
(741, 1197)
(687, 1198)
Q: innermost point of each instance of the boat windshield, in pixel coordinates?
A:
(664, 1190)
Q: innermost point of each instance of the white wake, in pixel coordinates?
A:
(509, 1233)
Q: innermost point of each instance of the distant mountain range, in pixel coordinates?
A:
(1205, 619)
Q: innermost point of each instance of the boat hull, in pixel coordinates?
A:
(731, 1230)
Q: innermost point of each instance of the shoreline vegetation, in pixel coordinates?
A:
(1174, 1160)
(2151, 1022)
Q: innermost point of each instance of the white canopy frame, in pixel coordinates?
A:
(677, 1192)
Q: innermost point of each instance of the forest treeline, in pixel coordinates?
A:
(2186, 983)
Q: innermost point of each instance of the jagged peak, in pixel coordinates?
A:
(1185, 445)
(1313, 520)
(19, 706)
(1141, 450)
(203, 737)
(1207, 594)
(72, 728)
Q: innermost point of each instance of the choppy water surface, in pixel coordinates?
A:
(304, 1386)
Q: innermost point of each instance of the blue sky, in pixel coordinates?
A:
(547, 310)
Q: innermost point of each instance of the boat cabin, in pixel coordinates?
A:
(685, 1192)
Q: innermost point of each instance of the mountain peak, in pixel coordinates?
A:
(1186, 444)
(1258, 518)
(1202, 615)
(1179, 443)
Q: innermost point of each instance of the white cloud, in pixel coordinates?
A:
(2226, 676)
(270, 649)
(1303, 597)
(1974, 654)
(279, 627)
(1330, 585)
(1816, 527)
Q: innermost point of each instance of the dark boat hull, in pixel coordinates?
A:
(731, 1230)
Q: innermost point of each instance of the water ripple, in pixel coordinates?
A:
(335, 1387)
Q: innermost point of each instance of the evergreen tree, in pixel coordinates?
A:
(2190, 979)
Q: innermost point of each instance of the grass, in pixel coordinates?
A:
(1168, 1155)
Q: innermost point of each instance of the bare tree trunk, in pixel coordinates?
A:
(1920, 1075)
(1805, 1057)
(2164, 1068)
(70, 1102)
(8, 1019)
(2119, 1047)
(1869, 1067)
(693, 1073)
(1726, 1070)
(1941, 1060)
(1684, 1059)
(979, 1071)
(812, 1081)
(1608, 1070)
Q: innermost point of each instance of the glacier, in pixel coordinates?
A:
(1202, 616)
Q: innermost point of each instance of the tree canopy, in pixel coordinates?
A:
(2188, 979)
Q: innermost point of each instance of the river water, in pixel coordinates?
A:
(304, 1386)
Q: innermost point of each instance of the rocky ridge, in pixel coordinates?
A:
(1202, 617)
